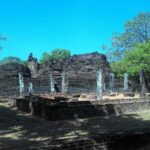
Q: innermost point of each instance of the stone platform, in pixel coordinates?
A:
(61, 108)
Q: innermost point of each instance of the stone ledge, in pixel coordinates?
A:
(53, 110)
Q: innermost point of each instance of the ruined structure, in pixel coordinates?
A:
(80, 70)
(9, 78)
(76, 74)
(33, 65)
(76, 64)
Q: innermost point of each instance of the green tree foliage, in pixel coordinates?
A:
(55, 54)
(46, 56)
(119, 68)
(137, 30)
(60, 53)
(135, 60)
(10, 59)
(25, 63)
(138, 58)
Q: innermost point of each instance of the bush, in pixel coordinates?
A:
(10, 59)
(55, 54)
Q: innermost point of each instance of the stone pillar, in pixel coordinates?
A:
(30, 88)
(142, 84)
(104, 86)
(99, 92)
(125, 82)
(21, 84)
(64, 82)
(52, 84)
(111, 82)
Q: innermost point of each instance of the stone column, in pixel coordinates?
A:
(142, 84)
(99, 92)
(21, 84)
(111, 82)
(104, 86)
(30, 88)
(52, 84)
(64, 81)
(125, 82)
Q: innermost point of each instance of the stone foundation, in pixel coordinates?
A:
(64, 110)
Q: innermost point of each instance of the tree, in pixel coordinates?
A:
(119, 68)
(134, 61)
(138, 59)
(137, 30)
(60, 54)
(46, 56)
(11, 59)
(55, 54)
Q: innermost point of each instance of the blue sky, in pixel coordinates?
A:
(81, 26)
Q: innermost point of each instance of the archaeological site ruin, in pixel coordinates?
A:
(94, 108)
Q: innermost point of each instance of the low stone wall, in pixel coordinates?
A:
(57, 110)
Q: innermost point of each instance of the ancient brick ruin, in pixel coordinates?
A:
(81, 71)
(65, 90)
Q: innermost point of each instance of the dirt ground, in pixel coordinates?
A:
(21, 131)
